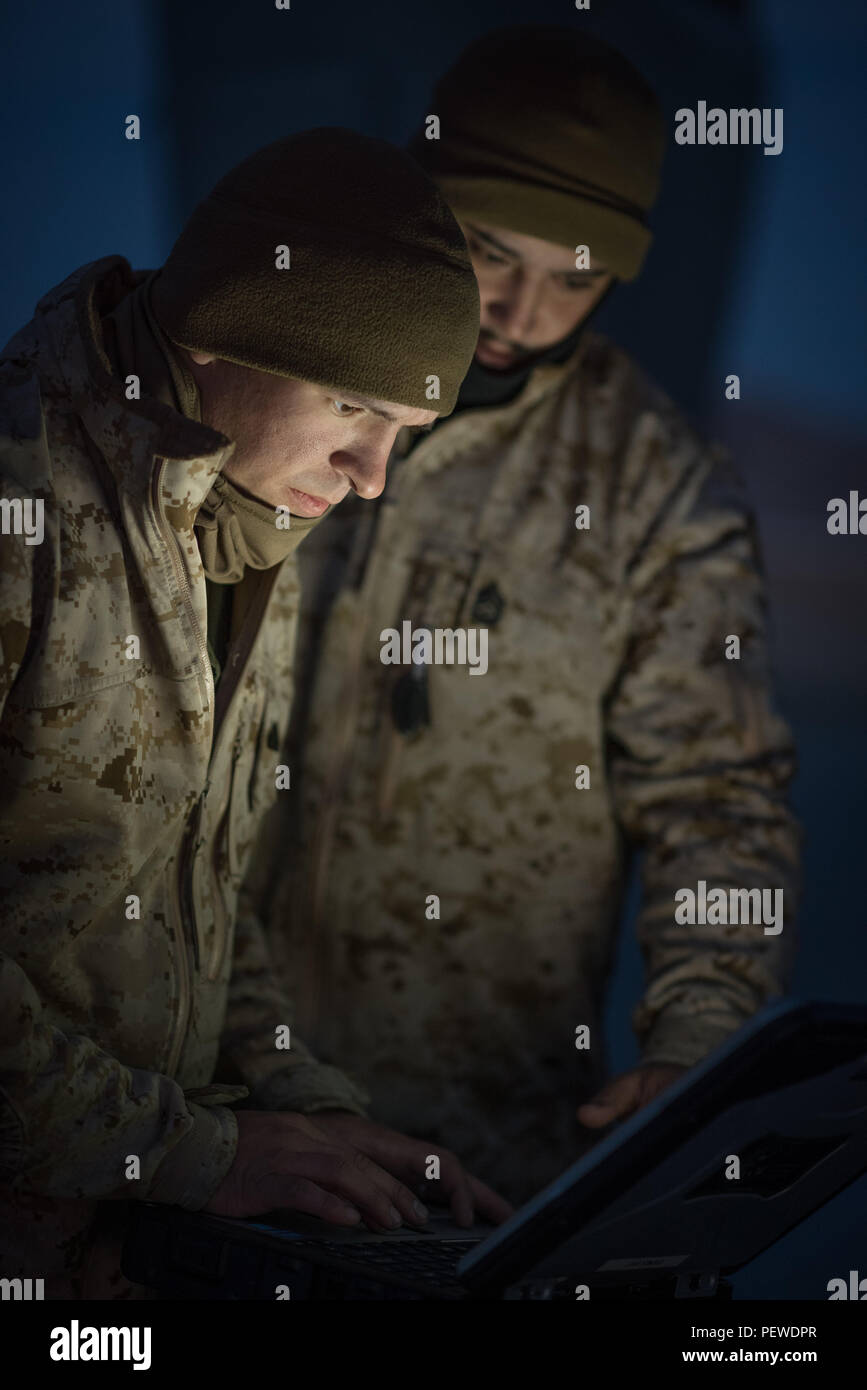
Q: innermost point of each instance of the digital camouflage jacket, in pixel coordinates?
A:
(607, 638)
(136, 997)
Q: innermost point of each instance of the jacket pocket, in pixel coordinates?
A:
(270, 752)
(46, 691)
(234, 812)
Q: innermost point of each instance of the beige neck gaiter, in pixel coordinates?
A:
(233, 528)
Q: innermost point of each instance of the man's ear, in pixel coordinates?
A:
(201, 358)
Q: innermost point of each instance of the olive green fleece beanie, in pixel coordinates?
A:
(374, 294)
(552, 133)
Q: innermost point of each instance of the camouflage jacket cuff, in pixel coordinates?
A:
(684, 1041)
(192, 1171)
(308, 1087)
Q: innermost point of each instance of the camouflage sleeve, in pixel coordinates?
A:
(256, 1033)
(71, 1116)
(17, 563)
(700, 762)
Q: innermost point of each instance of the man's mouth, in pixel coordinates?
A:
(493, 354)
(305, 504)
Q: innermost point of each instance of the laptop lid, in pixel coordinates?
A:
(769, 1127)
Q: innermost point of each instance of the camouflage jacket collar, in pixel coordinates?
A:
(477, 424)
(129, 434)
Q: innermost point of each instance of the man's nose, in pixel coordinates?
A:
(366, 465)
(515, 306)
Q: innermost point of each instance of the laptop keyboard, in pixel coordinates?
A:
(431, 1261)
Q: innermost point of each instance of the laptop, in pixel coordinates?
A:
(746, 1145)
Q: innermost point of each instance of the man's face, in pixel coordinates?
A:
(297, 444)
(531, 294)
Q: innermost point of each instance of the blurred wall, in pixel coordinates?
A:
(72, 187)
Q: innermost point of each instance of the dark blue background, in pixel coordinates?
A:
(756, 269)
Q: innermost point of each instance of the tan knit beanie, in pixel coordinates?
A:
(552, 133)
(373, 293)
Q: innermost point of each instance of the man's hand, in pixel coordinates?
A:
(288, 1160)
(628, 1093)
(407, 1158)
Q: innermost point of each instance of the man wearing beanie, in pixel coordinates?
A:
(168, 438)
(452, 890)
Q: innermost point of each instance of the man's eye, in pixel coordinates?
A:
(343, 409)
(477, 250)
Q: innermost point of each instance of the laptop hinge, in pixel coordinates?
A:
(693, 1284)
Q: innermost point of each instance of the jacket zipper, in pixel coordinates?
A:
(183, 978)
(189, 927)
(236, 664)
(218, 949)
(187, 865)
(177, 561)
